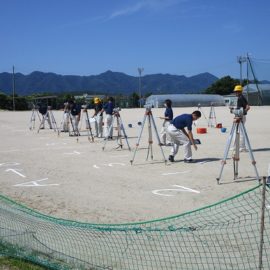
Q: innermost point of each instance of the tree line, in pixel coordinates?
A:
(22, 103)
(223, 86)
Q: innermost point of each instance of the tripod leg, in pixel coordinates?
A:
(108, 135)
(54, 124)
(119, 135)
(236, 156)
(227, 148)
(81, 120)
(124, 132)
(158, 139)
(38, 115)
(42, 123)
(89, 127)
(73, 128)
(32, 121)
(243, 130)
(150, 138)
(139, 138)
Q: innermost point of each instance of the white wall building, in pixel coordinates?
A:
(185, 100)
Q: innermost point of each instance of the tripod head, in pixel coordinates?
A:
(116, 111)
(148, 107)
(237, 112)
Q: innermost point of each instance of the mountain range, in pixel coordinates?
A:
(108, 82)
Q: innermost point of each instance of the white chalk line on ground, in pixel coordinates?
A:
(35, 183)
(73, 153)
(119, 156)
(109, 165)
(9, 164)
(55, 143)
(173, 173)
(16, 172)
(178, 188)
(8, 151)
(35, 149)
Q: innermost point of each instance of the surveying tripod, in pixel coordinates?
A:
(150, 119)
(88, 125)
(237, 127)
(34, 114)
(75, 129)
(212, 121)
(200, 109)
(120, 128)
(50, 119)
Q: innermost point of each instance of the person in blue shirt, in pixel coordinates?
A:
(168, 117)
(179, 135)
(108, 108)
(75, 115)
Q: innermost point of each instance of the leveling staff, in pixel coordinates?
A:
(179, 135)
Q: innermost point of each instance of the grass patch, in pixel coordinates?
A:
(17, 264)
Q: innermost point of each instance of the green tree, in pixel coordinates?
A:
(21, 104)
(3, 100)
(223, 86)
(134, 100)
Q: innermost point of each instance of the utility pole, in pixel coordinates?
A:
(140, 70)
(240, 60)
(13, 88)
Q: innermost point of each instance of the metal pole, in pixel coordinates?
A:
(262, 224)
(140, 70)
(13, 88)
(260, 96)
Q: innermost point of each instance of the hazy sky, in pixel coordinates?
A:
(88, 37)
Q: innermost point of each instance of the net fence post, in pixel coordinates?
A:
(262, 224)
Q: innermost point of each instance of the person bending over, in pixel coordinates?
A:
(179, 135)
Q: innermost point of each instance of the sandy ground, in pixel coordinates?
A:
(59, 176)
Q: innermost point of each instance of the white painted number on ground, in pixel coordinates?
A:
(35, 183)
(167, 191)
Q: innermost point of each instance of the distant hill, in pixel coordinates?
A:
(108, 82)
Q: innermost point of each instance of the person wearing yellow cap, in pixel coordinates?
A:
(98, 115)
(242, 103)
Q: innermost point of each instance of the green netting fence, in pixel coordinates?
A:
(225, 235)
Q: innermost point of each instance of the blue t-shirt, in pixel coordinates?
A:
(182, 121)
(75, 109)
(169, 113)
(108, 108)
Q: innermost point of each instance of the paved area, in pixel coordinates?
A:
(78, 180)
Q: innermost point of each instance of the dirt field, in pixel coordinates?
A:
(78, 180)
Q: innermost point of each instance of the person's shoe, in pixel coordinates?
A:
(188, 160)
(171, 158)
(243, 150)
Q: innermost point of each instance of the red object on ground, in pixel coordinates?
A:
(201, 130)
(219, 125)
